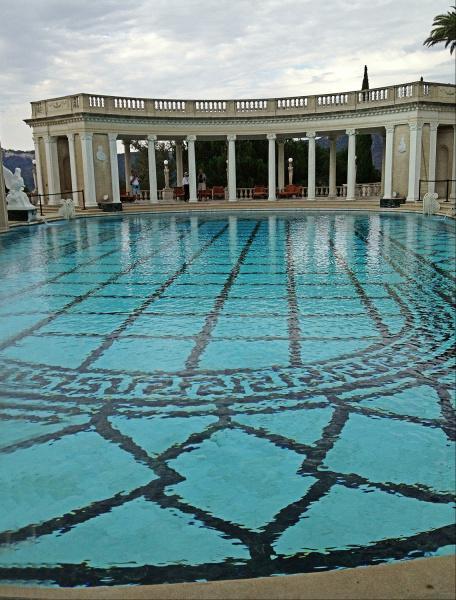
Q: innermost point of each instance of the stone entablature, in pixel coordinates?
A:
(386, 97)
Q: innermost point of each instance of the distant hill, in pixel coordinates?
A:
(12, 159)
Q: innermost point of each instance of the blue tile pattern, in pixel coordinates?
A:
(187, 398)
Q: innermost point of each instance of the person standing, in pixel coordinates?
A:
(135, 183)
(186, 186)
(201, 182)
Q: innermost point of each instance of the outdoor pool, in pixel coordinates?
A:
(223, 396)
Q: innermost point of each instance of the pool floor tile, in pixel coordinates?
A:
(148, 355)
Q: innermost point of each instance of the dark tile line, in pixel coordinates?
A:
(365, 299)
(418, 257)
(204, 336)
(109, 340)
(294, 325)
(78, 299)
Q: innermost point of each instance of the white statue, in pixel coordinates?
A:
(67, 210)
(16, 198)
(430, 204)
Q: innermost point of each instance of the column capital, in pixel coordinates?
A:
(112, 137)
(281, 142)
(311, 134)
(86, 136)
(191, 138)
(389, 129)
(271, 136)
(433, 125)
(333, 137)
(414, 126)
(70, 136)
(36, 138)
(231, 137)
(151, 138)
(350, 131)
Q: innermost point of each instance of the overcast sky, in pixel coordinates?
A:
(208, 49)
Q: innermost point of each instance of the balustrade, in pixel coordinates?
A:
(170, 105)
(285, 103)
(251, 105)
(129, 103)
(210, 105)
(332, 99)
(405, 91)
(96, 101)
(376, 95)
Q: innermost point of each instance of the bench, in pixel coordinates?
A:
(218, 192)
(178, 193)
(260, 191)
(290, 191)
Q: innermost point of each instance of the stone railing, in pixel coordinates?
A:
(302, 105)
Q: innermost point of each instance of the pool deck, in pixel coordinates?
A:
(368, 204)
(420, 579)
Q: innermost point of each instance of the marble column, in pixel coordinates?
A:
(351, 166)
(382, 176)
(453, 168)
(73, 171)
(432, 155)
(231, 168)
(151, 139)
(416, 130)
(271, 166)
(388, 177)
(52, 167)
(179, 167)
(3, 210)
(191, 139)
(88, 170)
(311, 166)
(332, 166)
(114, 167)
(280, 164)
(127, 163)
(39, 172)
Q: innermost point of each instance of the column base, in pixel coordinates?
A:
(272, 199)
(408, 199)
(232, 199)
(193, 200)
(310, 198)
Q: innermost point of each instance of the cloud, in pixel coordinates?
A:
(206, 49)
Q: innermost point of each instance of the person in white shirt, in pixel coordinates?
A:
(186, 186)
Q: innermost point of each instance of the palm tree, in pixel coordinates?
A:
(443, 30)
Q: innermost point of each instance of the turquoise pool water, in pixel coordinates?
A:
(189, 398)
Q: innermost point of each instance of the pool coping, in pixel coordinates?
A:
(417, 579)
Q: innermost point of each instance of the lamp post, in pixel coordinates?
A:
(290, 171)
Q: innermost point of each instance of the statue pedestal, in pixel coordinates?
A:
(168, 194)
(22, 214)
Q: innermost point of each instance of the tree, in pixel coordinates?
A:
(443, 31)
(365, 170)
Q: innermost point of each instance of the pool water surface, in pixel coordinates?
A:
(222, 396)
